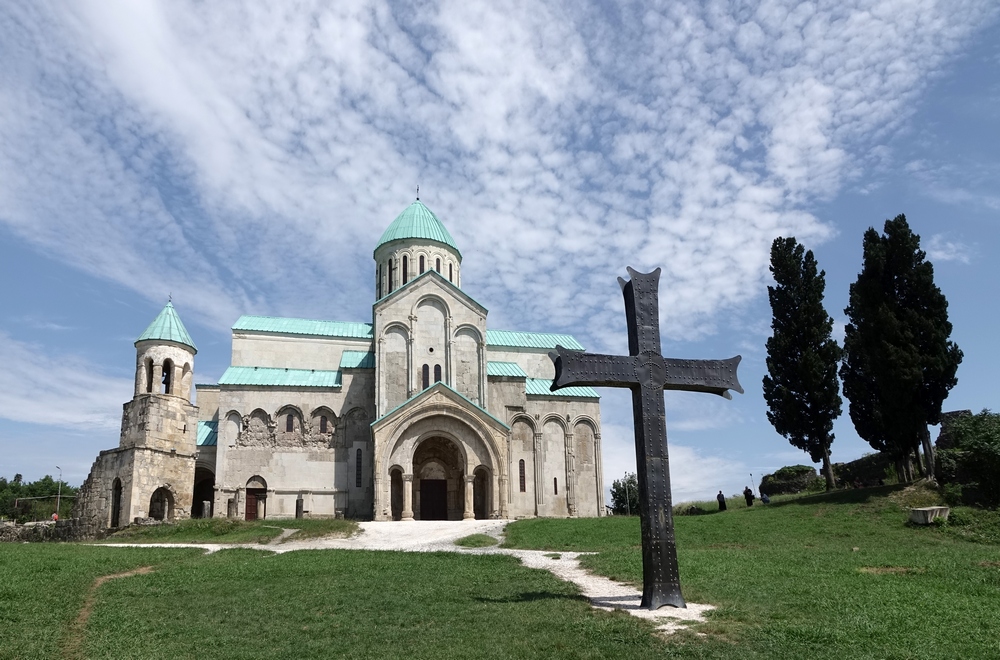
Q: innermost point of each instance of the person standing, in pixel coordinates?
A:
(748, 496)
(722, 501)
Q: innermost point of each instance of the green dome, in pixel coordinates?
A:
(167, 326)
(417, 221)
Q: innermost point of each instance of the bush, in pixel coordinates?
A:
(792, 479)
(867, 470)
(971, 467)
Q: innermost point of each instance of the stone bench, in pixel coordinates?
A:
(926, 515)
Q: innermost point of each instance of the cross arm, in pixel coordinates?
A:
(711, 376)
(579, 368)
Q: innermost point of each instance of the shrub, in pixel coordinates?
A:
(792, 479)
(971, 467)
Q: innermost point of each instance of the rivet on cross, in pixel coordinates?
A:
(647, 373)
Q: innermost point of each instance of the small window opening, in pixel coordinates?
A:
(168, 377)
(406, 271)
(289, 423)
(520, 475)
(426, 376)
(437, 373)
(421, 264)
(378, 280)
(555, 485)
(323, 424)
(149, 374)
(449, 274)
(389, 283)
(437, 265)
(357, 470)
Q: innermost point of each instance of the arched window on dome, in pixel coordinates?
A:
(437, 373)
(389, 282)
(437, 265)
(449, 274)
(406, 270)
(378, 279)
(421, 264)
(426, 376)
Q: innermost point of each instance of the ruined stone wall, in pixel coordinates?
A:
(160, 421)
(93, 501)
(153, 469)
(42, 532)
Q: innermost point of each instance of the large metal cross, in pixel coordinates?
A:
(647, 373)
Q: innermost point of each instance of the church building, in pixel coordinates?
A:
(424, 413)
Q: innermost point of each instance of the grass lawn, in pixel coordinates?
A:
(838, 576)
(309, 604)
(821, 577)
(221, 530)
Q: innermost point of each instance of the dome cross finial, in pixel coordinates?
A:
(418, 192)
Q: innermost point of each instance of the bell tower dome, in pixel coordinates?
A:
(415, 242)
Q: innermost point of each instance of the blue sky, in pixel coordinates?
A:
(246, 159)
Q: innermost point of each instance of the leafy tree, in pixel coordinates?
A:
(625, 495)
(899, 363)
(972, 463)
(801, 387)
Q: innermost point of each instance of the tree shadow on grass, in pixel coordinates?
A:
(848, 496)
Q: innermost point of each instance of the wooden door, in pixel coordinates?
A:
(251, 506)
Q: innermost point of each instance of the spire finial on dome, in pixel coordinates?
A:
(418, 192)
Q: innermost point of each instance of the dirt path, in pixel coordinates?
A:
(73, 642)
(440, 536)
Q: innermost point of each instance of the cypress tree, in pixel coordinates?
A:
(801, 387)
(899, 363)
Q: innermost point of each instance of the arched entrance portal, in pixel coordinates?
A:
(161, 505)
(438, 493)
(256, 498)
(204, 493)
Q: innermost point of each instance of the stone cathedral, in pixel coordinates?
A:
(422, 414)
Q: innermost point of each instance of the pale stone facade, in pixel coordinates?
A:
(424, 413)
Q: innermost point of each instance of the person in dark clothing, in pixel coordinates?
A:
(722, 501)
(748, 496)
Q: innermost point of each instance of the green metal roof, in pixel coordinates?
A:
(540, 387)
(276, 377)
(509, 369)
(417, 221)
(167, 326)
(511, 339)
(357, 360)
(304, 327)
(208, 434)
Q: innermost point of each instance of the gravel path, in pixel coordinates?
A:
(433, 536)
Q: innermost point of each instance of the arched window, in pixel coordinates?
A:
(322, 424)
(520, 475)
(149, 375)
(437, 265)
(449, 274)
(388, 287)
(289, 423)
(357, 470)
(378, 279)
(555, 485)
(406, 270)
(426, 376)
(421, 264)
(437, 373)
(168, 377)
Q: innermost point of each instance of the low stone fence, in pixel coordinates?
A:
(48, 531)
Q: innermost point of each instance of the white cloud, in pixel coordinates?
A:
(940, 248)
(247, 157)
(58, 390)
